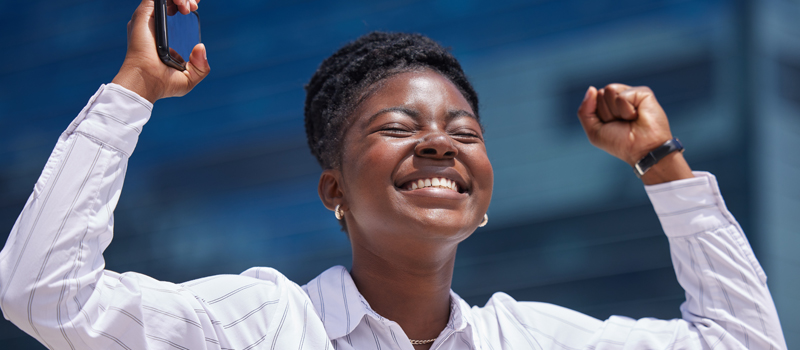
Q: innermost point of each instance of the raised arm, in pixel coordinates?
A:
(52, 279)
(728, 304)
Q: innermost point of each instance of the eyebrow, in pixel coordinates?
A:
(405, 110)
(455, 113)
(414, 114)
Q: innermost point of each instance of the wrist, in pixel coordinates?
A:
(135, 80)
(670, 168)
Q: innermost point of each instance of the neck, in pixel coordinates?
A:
(409, 290)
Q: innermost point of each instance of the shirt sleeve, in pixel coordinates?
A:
(728, 304)
(52, 279)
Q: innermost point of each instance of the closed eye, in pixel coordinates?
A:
(395, 131)
(466, 136)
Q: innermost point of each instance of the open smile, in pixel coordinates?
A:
(442, 183)
(437, 182)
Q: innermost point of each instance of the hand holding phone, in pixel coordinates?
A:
(143, 71)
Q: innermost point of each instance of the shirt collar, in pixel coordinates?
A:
(337, 301)
(341, 306)
(460, 313)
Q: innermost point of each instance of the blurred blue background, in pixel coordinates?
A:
(222, 179)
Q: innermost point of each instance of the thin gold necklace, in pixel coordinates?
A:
(422, 342)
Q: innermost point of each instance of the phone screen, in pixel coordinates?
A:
(183, 33)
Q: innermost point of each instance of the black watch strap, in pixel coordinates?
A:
(643, 165)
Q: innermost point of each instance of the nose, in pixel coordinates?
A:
(436, 145)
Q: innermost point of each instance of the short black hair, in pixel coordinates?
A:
(340, 81)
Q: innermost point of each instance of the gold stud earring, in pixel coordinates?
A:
(485, 220)
(338, 212)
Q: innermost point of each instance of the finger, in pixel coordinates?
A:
(174, 4)
(647, 107)
(184, 6)
(602, 109)
(587, 113)
(197, 68)
(609, 97)
(617, 87)
(620, 110)
(193, 5)
(141, 18)
(636, 95)
(625, 108)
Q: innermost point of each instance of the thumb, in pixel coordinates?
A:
(587, 114)
(198, 67)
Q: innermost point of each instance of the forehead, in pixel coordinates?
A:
(425, 90)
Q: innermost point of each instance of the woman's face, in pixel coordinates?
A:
(414, 130)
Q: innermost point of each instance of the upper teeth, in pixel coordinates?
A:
(434, 182)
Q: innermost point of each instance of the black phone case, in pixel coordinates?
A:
(162, 40)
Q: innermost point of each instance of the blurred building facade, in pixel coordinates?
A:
(222, 179)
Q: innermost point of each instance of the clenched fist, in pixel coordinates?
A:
(627, 122)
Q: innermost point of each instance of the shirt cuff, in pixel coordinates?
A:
(690, 206)
(114, 116)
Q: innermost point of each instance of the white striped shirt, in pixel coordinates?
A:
(54, 287)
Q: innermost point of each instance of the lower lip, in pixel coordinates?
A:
(433, 192)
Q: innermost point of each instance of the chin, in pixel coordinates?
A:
(443, 224)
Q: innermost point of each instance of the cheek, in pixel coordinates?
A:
(366, 161)
(483, 174)
(381, 156)
(369, 170)
(481, 167)
(489, 171)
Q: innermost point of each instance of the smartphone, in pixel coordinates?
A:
(176, 34)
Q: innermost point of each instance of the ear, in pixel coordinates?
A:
(330, 188)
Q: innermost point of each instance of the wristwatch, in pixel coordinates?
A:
(647, 162)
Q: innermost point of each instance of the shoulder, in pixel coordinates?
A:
(505, 314)
(502, 302)
(253, 302)
(256, 283)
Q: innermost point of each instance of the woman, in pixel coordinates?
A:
(394, 123)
